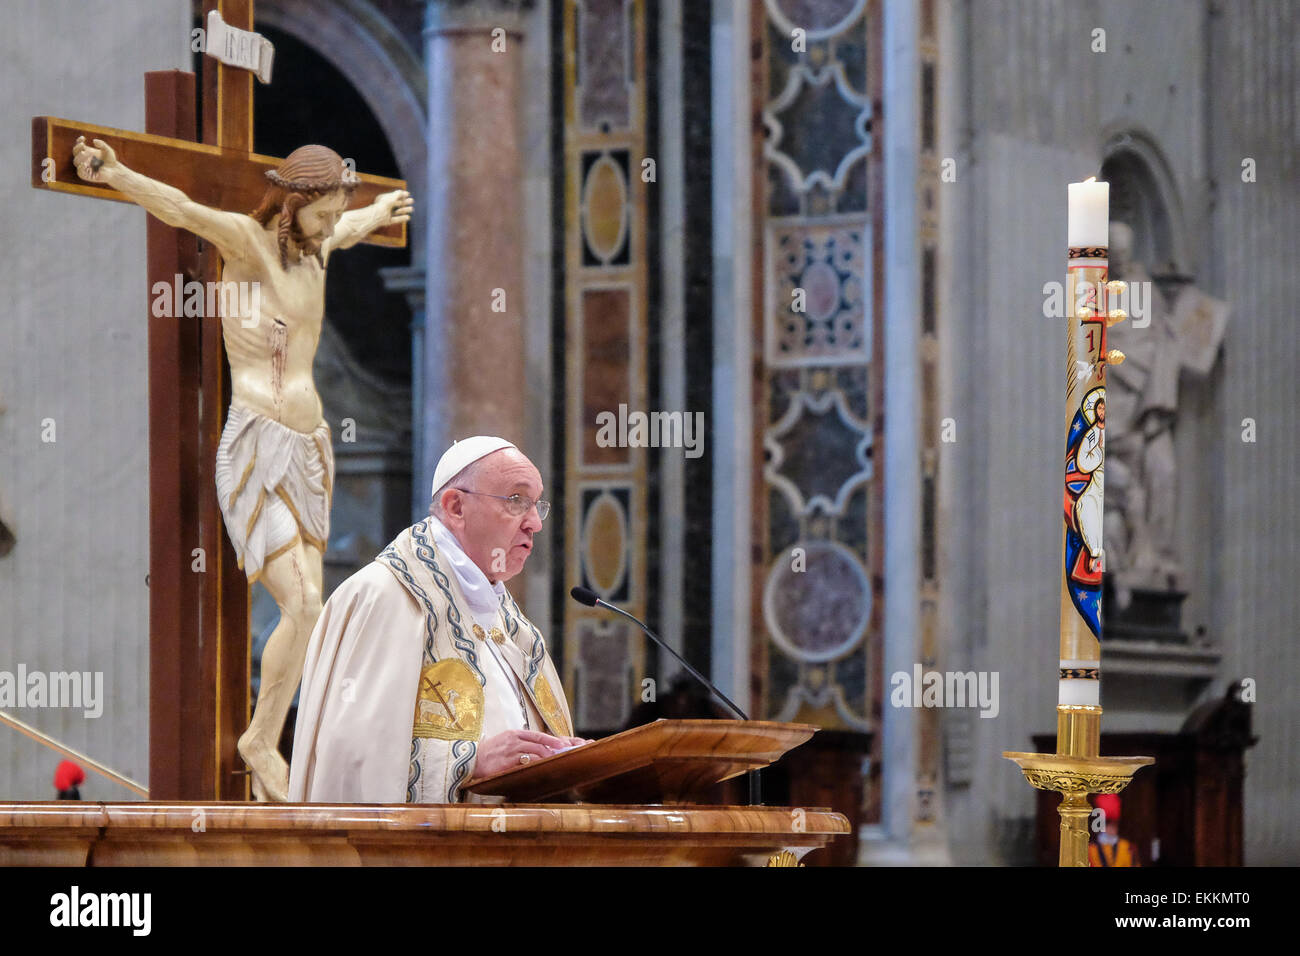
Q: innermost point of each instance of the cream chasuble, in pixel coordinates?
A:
(395, 693)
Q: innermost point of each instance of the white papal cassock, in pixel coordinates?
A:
(415, 660)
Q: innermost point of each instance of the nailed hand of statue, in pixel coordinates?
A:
(396, 206)
(92, 162)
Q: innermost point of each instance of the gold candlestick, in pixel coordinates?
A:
(1077, 769)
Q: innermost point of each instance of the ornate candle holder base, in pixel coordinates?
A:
(1076, 772)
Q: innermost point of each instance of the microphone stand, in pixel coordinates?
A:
(755, 782)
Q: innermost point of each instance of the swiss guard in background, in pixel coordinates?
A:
(1108, 848)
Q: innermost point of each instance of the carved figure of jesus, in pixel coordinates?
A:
(275, 463)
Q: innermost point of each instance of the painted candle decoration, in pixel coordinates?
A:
(1087, 355)
(1077, 769)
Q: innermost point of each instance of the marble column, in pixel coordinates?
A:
(902, 458)
(410, 281)
(733, 221)
(472, 367)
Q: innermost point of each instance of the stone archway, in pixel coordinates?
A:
(1143, 194)
(367, 49)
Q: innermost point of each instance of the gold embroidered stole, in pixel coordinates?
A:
(448, 718)
(449, 711)
(537, 663)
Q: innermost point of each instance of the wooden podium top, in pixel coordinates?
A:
(665, 761)
(61, 833)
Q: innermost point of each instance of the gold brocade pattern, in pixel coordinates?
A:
(496, 634)
(449, 705)
(550, 707)
(784, 858)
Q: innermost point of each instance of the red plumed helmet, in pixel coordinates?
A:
(68, 776)
(1108, 803)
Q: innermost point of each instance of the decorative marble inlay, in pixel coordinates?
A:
(605, 208)
(603, 674)
(818, 453)
(604, 77)
(817, 601)
(819, 382)
(818, 18)
(603, 340)
(818, 127)
(817, 313)
(606, 350)
(605, 542)
(825, 703)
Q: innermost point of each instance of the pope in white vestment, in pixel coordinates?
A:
(422, 672)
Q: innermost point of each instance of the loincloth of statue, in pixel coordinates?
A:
(274, 485)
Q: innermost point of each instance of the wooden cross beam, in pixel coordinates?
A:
(223, 178)
(199, 668)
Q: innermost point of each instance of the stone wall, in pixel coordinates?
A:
(73, 595)
(1027, 107)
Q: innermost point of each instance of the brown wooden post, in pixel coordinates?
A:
(227, 122)
(176, 687)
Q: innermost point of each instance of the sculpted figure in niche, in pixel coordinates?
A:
(275, 463)
(1184, 335)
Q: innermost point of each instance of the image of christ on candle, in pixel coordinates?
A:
(1084, 488)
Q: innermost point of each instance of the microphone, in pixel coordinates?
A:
(589, 597)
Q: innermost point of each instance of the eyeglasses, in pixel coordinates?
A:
(517, 504)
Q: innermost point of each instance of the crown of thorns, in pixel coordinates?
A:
(323, 184)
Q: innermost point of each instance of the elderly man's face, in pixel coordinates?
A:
(496, 540)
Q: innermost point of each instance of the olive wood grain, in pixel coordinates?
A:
(244, 834)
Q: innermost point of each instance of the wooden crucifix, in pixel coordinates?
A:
(198, 599)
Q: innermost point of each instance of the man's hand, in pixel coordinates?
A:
(503, 752)
(94, 165)
(393, 207)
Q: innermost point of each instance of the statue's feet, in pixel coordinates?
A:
(270, 771)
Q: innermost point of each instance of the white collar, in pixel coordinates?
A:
(483, 597)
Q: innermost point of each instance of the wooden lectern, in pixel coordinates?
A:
(666, 761)
(657, 768)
